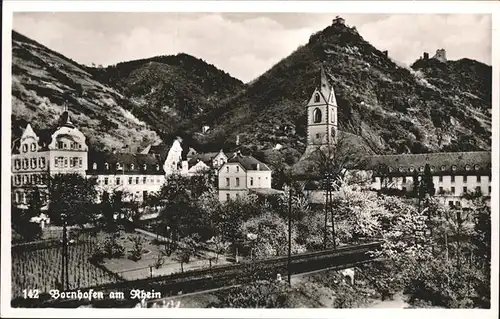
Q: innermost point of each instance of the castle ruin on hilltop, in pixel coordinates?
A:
(440, 55)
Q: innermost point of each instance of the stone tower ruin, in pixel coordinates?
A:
(440, 55)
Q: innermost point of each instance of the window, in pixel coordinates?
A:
(443, 168)
(144, 195)
(489, 178)
(228, 196)
(106, 181)
(25, 163)
(411, 169)
(316, 98)
(441, 190)
(144, 180)
(33, 147)
(72, 146)
(478, 178)
(56, 162)
(465, 178)
(237, 168)
(441, 178)
(94, 166)
(130, 180)
(25, 148)
(489, 189)
(118, 166)
(451, 204)
(404, 179)
(65, 162)
(454, 168)
(42, 162)
(80, 162)
(251, 181)
(227, 169)
(227, 181)
(157, 167)
(144, 167)
(131, 167)
(452, 178)
(118, 182)
(467, 167)
(333, 132)
(137, 180)
(17, 164)
(421, 168)
(401, 169)
(317, 135)
(453, 190)
(465, 189)
(71, 162)
(106, 166)
(317, 116)
(33, 163)
(237, 181)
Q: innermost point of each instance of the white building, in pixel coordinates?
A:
(242, 174)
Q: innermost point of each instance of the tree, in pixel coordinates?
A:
(427, 184)
(73, 195)
(186, 249)
(136, 252)
(219, 246)
(21, 218)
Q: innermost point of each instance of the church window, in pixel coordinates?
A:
(317, 115)
(316, 98)
(94, 166)
(33, 147)
(25, 148)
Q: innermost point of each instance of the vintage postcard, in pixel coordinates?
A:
(250, 159)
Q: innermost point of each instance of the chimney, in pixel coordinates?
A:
(258, 166)
(426, 56)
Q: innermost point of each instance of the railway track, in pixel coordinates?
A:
(224, 275)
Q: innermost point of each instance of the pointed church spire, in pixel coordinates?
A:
(325, 85)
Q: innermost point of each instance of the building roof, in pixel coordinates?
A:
(444, 163)
(142, 163)
(204, 157)
(249, 163)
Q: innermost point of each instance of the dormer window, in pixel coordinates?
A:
(454, 168)
(390, 169)
(94, 166)
(421, 168)
(467, 167)
(131, 167)
(412, 169)
(144, 167)
(401, 169)
(118, 166)
(33, 147)
(157, 167)
(317, 115)
(60, 145)
(25, 148)
(316, 98)
(106, 166)
(476, 167)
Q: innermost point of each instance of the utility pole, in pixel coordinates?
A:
(290, 235)
(333, 222)
(64, 268)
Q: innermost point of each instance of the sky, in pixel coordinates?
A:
(247, 44)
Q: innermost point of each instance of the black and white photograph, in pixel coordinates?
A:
(322, 156)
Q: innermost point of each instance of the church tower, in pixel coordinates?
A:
(322, 115)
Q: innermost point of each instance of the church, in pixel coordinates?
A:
(454, 173)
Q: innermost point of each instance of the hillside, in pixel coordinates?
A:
(395, 109)
(169, 91)
(42, 80)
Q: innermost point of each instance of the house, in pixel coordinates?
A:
(60, 150)
(242, 175)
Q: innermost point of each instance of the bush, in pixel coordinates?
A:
(112, 248)
(136, 253)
